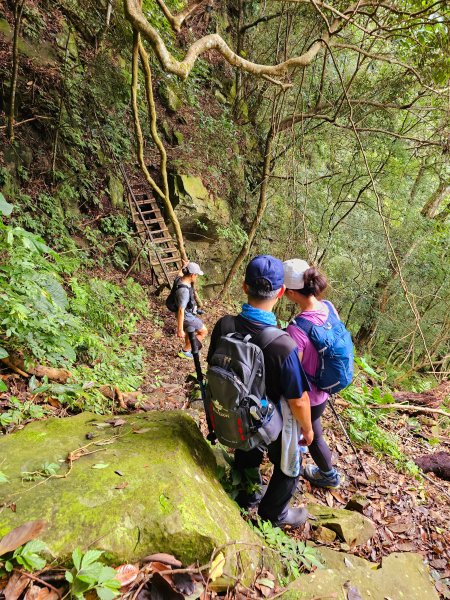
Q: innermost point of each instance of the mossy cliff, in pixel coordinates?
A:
(146, 486)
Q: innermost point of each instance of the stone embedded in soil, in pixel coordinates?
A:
(357, 503)
(352, 527)
(437, 463)
(167, 498)
(402, 576)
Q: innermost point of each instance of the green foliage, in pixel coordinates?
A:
(89, 573)
(63, 322)
(45, 471)
(297, 557)
(364, 425)
(18, 412)
(234, 233)
(28, 557)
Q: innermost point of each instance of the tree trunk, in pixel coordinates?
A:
(18, 10)
(262, 204)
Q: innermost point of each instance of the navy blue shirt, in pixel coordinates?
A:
(284, 372)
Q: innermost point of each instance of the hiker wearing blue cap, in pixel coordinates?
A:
(285, 385)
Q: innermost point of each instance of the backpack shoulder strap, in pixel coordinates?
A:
(331, 309)
(267, 336)
(303, 324)
(227, 325)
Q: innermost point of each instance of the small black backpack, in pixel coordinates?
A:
(240, 413)
(171, 300)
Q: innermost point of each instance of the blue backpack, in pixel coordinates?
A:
(335, 347)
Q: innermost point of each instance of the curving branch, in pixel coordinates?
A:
(134, 14)
(176, 21)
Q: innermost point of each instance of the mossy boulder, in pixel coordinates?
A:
(116, 190)
(401, 576)
(352, 527)
(169, 97)
(146, 486)
(198, 211)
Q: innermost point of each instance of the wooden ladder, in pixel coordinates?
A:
(163, 255)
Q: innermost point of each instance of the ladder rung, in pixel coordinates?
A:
(153, 221)
(162, 240)
(165, 261)
(172, 249)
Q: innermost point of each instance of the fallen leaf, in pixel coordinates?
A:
(126, 574)
(352, 592)
(54, 402)
(438, 563)
(217, 566)
(329, 499)
(119, 473)
(400, 527)
(121, 486)
(144, 430)
(16, 586)
(337, 496)
(35, 592)
(117, 422)
(21, 535)
(100, 466)
(101, 425)
(265, 586)
(162, 557)
(406, 547)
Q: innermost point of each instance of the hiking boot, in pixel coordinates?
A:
(318, 478)
(185, 354)
(294, 518)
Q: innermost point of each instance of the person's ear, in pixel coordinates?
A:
(245, 287)
(281, 292)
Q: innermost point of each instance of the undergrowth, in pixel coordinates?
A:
(364, 422)
(297, 556)
(53, 313)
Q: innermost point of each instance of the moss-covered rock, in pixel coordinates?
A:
(169, 97)
(197, 210)
(146, 486)
(116, 190)
(402, 576)
(352, 527)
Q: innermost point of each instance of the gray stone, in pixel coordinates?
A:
(352, 527)
(402, 576)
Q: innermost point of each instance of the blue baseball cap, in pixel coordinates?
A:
(265, 267)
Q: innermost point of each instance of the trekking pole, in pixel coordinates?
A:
(338, 418)
(211, 437)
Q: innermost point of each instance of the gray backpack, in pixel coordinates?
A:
(240, 414)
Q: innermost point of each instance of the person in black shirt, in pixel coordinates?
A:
(285, 379)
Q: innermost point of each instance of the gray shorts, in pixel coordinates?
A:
(191, 320)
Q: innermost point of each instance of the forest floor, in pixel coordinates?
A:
(410, 515)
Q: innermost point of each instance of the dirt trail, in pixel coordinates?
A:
(410, 515)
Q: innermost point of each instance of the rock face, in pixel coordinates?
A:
(352, 527)
(402, 576)
(145, 486)
(195, 208)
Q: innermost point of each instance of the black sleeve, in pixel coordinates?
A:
(224, 325)
(215, 335)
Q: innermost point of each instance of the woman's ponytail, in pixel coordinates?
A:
(315, 283)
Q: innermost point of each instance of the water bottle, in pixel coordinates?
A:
(303, 447)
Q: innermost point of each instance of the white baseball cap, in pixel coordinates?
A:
(294, 270)
(193, 268)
